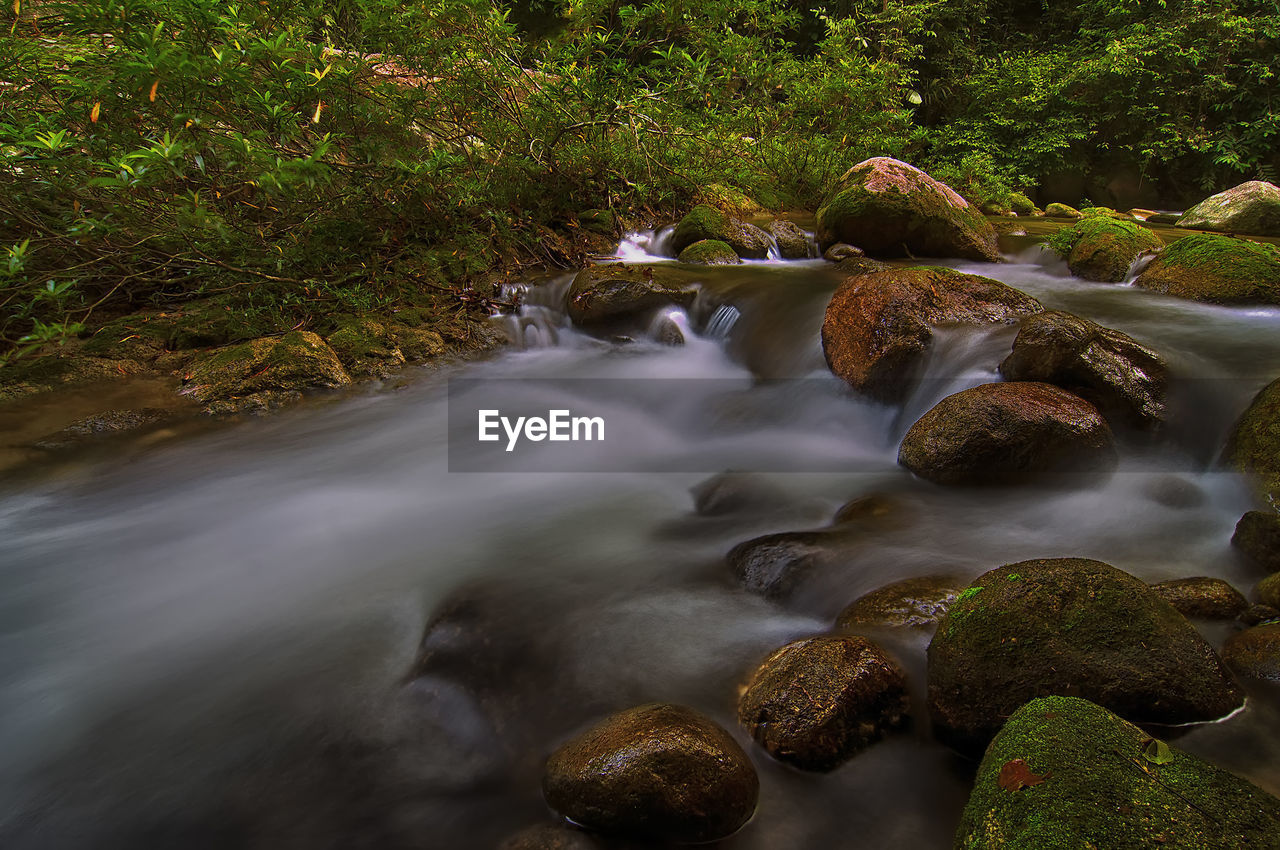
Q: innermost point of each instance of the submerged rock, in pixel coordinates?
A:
(1252, 208)
(879, 327)
(1254, 445)
(1217, 269)
(1068, 627)
(1257, 535)
(617, 296)
(297, 361)
(103, 425)
(775, 565)
(816, 703)
(877, 510)
(1009, 433)
(1101, 248)
(657, 771)
(917, 603)
(793, 243)
(1061, 211)
(1255, 653)
(892, 209)
(735, 492)
(1202, 598)
(1066, 773)
(1124, 379)
(710, 252)
(704, 222)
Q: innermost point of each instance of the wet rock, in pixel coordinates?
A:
(735, 492)
(1009, 433)
(841, 251)
(995, 208)
(704, 222)
(616, 296)
(710, 252)
(366, 347)
(1257, 535)
(1254, 654)
(102, 425)
(1065, 772)
(668, 332)
(877, 510)
(1174, 492)
(1061, 211)
(1202, 598)
(254, 404)
(1164, 218)
(1216, 269)
(1254, 446)
(1124, 379)
(549, 837)
(1268, 590)
(775, 565)
(1068, 627)
(294, 362)
(917, 603)
(816, 703)
(657, 771)
(1101, 248)
(33, 375)
(1252, 208)
(418, 343)
(879, 327)
(1259, 613)
(793, 243)
(855, 265)
(891, 209)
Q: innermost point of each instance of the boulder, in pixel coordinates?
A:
(995, 208)
(1202, 598)
(104, 425)
(878, 328)
(1105, 212)
(842, 251)
(1257, 536)
(792, 241)
(917, 603)
(710, 252)
(1124, 379)
(1252, 208)
(297, 361)
(1021, 204)
(1066, 773)
(775, 565)
(1258, 614)
(1068, 627)
(1217, 269)
(704, 222)
(1061, 211)
(366, 347)
(1163, 218)
(1268, 591)
(617, 296)
(657, 771)
(816, 703)
(1254, 445)
(891, 209)
(1101, 248)
(1254, 653)
(1008, 433)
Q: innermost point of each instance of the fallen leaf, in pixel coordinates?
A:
(1016, 775)
(1157, 752)
(151, 95)
(95, 112)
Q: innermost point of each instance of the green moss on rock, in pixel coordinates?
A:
(365, 347)
(1061, 211)
(1252, 208)
(1218, 269)
(1101, 248)
(705, 222)
(1021, 204)
(1093, 783)
(296, 361)
(710, 252)
(1254, 445)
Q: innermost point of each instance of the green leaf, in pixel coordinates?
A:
(914, 98)
(1157, 752)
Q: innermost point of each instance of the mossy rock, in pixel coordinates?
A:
(619, 297)
(1104, 212)
(891, 209)
(996, 208)
(1257, 535)
(1061, 211)
(297, 361)
(728, 198)
(104, 426)
(598, 221)
(1254, 654)
(1202, 598)
(792, 241)
(1021, 204)
(1066, 773)
(1075, 627)
(1217, 269)
(1163, 218)
(1254, 445)
(1101, 248)
(1252, 208)
(710, 252)
(33, 375)
(1268, 590)
(199, 324)
(365, 347)
(704, 222)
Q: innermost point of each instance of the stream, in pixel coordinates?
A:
(209, 644)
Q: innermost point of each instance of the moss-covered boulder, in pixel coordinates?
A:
(878, 328)
(1021, 204)
(1068, 627)
(1254, 445)
(1217, 269)
(1202, 598)
(366, 347)
(1124, 379)
(33, 375)
(657, 771)
(1254, 654)
(1104, 212)
(1257, 536)
(816, 703)
(615, 296)
(1101, 248)
(916, 603)
(1009, 433)
(198, 324)
(1066, 773)
(891, 209)
(1252, 208)
(295, 362)
(704, 222)
(1061, 211)
(1268, 590)
(792, 242)
(996, 208)
(710, 252)
(598, 221)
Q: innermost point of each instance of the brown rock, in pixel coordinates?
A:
(917, 603)
(1202, 598)
(1257, 535)
(1255, 653)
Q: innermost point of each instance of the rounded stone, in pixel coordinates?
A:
(1255, 653)
(1257, 535)
(917, 603)
(1202, 598)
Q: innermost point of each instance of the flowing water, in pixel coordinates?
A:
(212, 643)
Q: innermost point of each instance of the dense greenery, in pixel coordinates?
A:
(319, 154)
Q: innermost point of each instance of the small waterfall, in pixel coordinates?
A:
(722, 322)
(671, 327)
(1139, 265)
(646, 246)
(539, 315)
